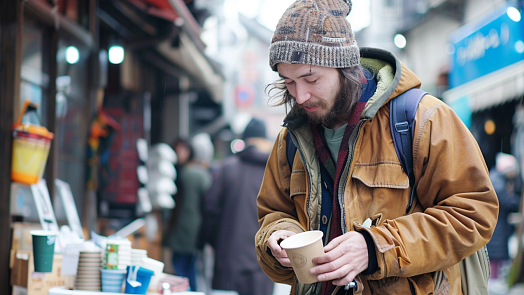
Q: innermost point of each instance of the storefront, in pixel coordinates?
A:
(486, 77)
(486, 82)
(56, 54)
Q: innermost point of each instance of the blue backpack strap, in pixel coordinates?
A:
(291, 150)
(402, 110)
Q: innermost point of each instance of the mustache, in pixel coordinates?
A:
(313, 104)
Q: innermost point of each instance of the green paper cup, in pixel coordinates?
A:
(43, 249)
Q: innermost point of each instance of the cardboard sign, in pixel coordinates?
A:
(68, 202)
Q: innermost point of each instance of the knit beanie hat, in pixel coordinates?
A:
(315, 32)
(255, 128)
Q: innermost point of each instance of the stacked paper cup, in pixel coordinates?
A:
(88, 271)
(117, 254)
(137, 255)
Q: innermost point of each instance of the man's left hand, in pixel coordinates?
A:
(345, 257)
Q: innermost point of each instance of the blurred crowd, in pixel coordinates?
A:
(216, 210)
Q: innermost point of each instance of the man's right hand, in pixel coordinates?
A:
(274, 245)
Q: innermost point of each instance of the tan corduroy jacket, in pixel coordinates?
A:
(453, 215)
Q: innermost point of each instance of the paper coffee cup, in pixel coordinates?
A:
(43, 249)
(301, 249)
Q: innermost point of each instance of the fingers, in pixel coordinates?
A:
(346, 279)
(346, 256)
(280, 255)
(274, 245)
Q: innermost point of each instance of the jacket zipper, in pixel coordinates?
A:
(344, 176)
(308, 202)
(295, 141)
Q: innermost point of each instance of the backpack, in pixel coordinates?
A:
(474, 269)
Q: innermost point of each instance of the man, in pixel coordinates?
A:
(346, 170)
(230, 220)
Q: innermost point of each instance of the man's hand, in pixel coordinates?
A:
(274, 245)
(345, 257)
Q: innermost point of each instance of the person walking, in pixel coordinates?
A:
(183, 237)
(505, 177)
(346, 178)
(230, 212)
(184, 153)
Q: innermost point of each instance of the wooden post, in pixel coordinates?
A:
(49, 53)
(11, 20)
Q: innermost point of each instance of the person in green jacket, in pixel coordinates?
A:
(183, 238)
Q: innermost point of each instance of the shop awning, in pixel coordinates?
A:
(490, 90)
(194, 62)
(189, 55)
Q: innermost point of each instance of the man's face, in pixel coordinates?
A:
(316, 91)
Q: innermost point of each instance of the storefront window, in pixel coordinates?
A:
(71, 121)
(34, 80)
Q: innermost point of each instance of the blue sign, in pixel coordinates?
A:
(485, 47)
(462, 109)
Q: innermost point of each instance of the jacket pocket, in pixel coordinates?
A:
(381, 187)
(297, 184)
(381, 174)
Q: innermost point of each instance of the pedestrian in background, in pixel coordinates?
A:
(230, 211)
(183, 238)
(506, 181)
(184, 153)
(346, 178)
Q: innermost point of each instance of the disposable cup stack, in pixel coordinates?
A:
(112, 280)
(88, 271)
(117, 254)
(137, 255)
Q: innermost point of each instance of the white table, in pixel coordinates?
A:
(61, 290)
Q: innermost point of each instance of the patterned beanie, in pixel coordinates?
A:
(315, 32)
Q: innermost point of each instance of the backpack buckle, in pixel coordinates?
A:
(402, 127)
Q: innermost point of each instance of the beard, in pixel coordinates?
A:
(342, 106)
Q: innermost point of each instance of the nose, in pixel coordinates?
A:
(302, 93)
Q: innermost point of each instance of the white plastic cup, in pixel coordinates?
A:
(112, 280)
